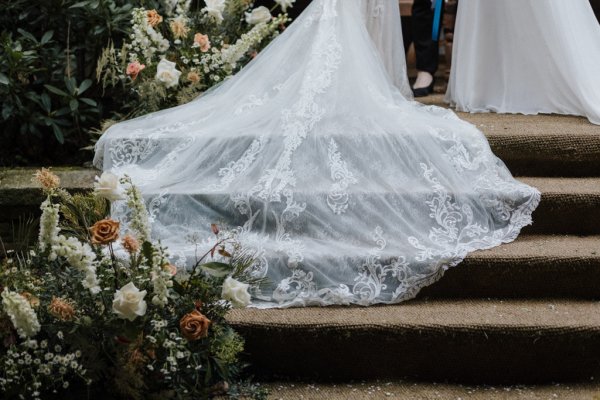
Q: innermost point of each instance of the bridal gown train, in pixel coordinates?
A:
(527, 57)
(345, 190)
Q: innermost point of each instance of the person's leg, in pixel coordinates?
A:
(426, 49)
(596, 7)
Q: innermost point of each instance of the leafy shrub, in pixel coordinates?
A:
(48, 52)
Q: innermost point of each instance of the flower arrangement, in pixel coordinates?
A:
(181, 49)
(94, 309)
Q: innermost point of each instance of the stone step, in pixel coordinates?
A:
(410, 390)
(542, 145)
(569, 205)
(469, 341)
(534, 266)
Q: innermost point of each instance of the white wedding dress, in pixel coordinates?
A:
(526, 56)
(345, 191)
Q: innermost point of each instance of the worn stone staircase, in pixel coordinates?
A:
(527, 312)
(524, 313)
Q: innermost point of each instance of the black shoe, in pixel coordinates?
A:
(426, 91)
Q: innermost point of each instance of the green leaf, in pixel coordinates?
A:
(3, 79)
(89, 102)
(85, 85)
(27, 35)
(71, 85)
(62, 111)
(46, 102)
(74, 105)
(147, 251)
(7, 110)
(217, 269)
(80, 4)
(178, 287)
(56, 90)
(47, 36)
(58, 134)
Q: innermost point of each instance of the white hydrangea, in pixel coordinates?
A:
(49, 229)
(80, 256)
(161, 280)
(232, 54)
(146, 39)
(22, 315)
(139, 219)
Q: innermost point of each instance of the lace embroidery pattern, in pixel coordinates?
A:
(302, 117)
(337, 199)
(236, 168)
(412, 216)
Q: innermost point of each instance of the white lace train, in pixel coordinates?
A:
(346, 191)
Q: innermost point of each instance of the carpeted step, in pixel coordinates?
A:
(534, 266)
(482, 341)
(569, 205)
(543, 145)
(408, 390)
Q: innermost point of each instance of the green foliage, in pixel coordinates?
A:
(63, 71)
(49, 100)
(200, 68)
(95, 349)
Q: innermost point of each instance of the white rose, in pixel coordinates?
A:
(167, 73)
(258, 15)
(284, 4)
(129, 302)
(108, 186)
(215, 9)
(236, 292)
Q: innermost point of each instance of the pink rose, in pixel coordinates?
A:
(134, 68)
(202, 42)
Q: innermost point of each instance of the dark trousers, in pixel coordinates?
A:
(596, 7)
(427, 49)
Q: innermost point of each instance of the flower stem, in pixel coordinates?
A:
(114, 265)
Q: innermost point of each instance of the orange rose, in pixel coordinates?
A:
(202, 41)
(61, 309)
(154, 18)
(193, 77)
(194, 326)
(105, 231)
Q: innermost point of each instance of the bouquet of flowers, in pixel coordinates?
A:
(182, 48)
(96, 310)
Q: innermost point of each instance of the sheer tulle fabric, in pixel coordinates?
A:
(345, 191)
(526, 56)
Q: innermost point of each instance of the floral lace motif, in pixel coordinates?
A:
(337, 199)
(236, 168)
(430, 189)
